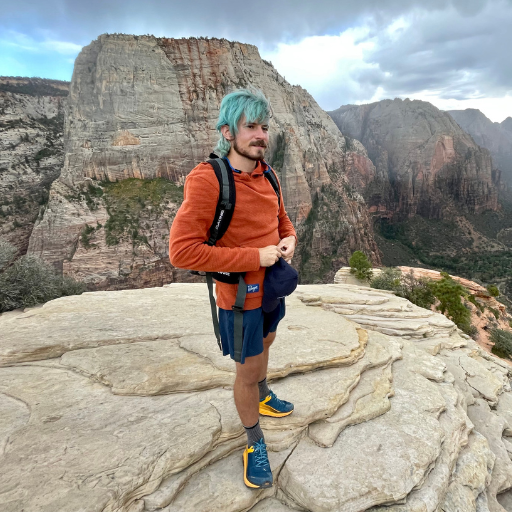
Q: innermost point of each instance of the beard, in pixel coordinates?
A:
(246, 154)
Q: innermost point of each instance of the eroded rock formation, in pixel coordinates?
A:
(492, 314)
(126, 394)
(142, 107)
(493, 136)
(31, 151)
(425, 163)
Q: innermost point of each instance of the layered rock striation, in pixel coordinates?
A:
(145, 108)
(417, 322)
(31, 151)
(425, 163)
(129, 399)
(493, 136)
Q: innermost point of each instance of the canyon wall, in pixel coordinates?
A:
(145, 108)
(496, 137)
(31, 151)
(425, 163)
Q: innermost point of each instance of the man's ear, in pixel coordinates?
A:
(226, 132)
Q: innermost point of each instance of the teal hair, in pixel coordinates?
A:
(250, 103)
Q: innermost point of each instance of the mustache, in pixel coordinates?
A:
(259, 144)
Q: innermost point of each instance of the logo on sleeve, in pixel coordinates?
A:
(253, 288)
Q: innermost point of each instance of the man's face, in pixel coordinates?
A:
(251, 141)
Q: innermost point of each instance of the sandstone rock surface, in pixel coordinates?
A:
(378, 310)
(120, 401)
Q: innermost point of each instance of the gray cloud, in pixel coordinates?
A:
(453, 48)
(262, 23)
(456, 54)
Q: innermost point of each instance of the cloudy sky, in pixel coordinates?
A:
(456, 54)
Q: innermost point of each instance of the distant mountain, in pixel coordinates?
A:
(435, 197)
(507, 124)
(496, 137)
(425, 163)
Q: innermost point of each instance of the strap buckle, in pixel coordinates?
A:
(237, 309)
(197, 273)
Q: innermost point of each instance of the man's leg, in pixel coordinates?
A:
(270, 405)
(246, 389)
(266, 346)
(257, 472)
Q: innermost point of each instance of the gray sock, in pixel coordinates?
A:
(264, 389)
(254, 434)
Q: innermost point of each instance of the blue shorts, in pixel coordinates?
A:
(257, 325)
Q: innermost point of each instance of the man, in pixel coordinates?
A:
(259, 234)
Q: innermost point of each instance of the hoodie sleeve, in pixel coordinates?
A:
(191, 227)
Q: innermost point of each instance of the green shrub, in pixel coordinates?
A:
(450, 293)
(418, 291)
(493, 290)
(424, 292)
(30, 281)
(407, 286)
(7, 253)
(471, 298)
(502, 343)
(85, 236)
(495, 312)
(360, 266)
(471, 330)
(128, 199)
(45, 153)
(389, 279)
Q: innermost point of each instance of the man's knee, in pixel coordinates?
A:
(249, 372)
(269, 339)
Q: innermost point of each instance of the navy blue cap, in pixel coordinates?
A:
(280, 280)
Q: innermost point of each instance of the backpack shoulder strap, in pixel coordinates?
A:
(272, 178)
(226, 201)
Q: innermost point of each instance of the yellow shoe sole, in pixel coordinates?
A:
(246, 482)
(266, 410)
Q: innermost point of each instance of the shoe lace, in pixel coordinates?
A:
(260, 454)
(274, 397)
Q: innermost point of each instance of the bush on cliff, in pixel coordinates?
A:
(7, 253)
(493, 290)
(424, 292)
(450, 295)
(29, 281)
(360, 266)
(417, 291)
(389, 279)
(502, 343)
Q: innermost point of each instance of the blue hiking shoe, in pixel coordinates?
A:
(257, 473)
(272, 406)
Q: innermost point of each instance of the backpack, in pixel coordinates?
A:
(223, 215)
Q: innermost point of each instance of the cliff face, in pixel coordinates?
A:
(425, 163)
(141, 107)
(31, 151)
(496, 137)
(507, 124)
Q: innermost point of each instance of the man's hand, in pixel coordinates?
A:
(269, 255)
(287, 248)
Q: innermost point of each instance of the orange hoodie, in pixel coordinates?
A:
(257, 222)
